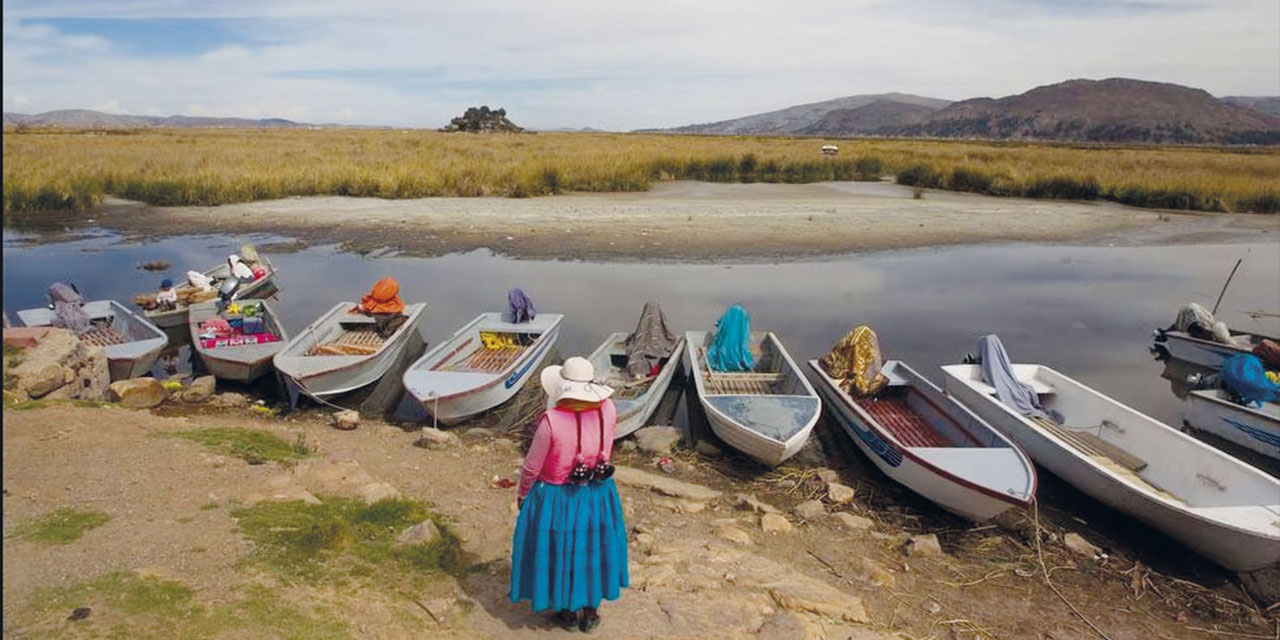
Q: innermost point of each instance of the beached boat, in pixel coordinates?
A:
(636, 400)
(342, 351)
(177, 317)
(131, 342)
(1256, 428)
(766, 413)
(242, 358)
(933, 445)
(1211, 502)
(481, 366)
(1180, 345)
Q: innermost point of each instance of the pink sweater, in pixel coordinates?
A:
(555, 444)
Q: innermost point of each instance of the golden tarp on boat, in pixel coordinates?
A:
(855, 362)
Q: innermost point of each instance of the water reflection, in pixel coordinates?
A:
(1086, 311)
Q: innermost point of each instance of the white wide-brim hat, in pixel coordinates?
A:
(574, 380)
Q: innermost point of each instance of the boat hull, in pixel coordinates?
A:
(1204, 530)
(347, 373)
(244, 363)
(450, 398)
(732, 417)
(634, 413)
(900, 464)
(1204, 353)
(1253, 428)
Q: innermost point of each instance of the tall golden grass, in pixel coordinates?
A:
(70, 170)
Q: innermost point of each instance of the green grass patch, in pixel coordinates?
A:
(209, 506)
(125, 605)
(254, 446)
(345, 538)
(62, 526)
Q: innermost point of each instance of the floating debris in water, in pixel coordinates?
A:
(156, 265)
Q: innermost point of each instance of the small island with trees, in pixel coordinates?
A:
(482, 120)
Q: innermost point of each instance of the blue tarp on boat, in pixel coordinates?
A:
(731, 347)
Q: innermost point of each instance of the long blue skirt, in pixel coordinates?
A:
(570, 546)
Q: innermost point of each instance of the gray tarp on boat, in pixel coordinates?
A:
(998, 372)
(650, 342)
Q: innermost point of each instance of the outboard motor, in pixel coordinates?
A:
(227, 290)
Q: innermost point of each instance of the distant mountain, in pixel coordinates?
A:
(1269, 105)
(1112, 110)
(86, 119)
(870, 118)
(793, 119)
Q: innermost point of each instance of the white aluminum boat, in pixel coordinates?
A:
(924, 439)
(766, 413)
(1256, 428)
(1211, 502)
(239, 358)
(132, 343)
(481, 366)
(1206, 353)
(636, 400)
(342, 351)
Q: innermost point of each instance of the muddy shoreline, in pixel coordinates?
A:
(686, 221)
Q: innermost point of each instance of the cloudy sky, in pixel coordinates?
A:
(614, 65)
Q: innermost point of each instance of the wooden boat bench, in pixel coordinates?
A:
(746, 383)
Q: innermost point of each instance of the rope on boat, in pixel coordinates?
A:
(1045, 570)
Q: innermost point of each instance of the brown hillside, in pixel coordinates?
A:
(871, 118)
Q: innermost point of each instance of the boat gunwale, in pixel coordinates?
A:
(1115, 478)
(498, 376)
(193, 327)
(906, 451)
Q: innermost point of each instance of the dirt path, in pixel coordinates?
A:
(683, 220)
(704, 571)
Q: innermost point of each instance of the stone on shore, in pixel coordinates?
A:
(827, 476)
(748, 502)
(852, 522)
(734, 534)
(838, 493)
(56, 361)
(1079, 545)
(925, 545)
(138, 393)
(229, 400)
(774, 523)
(810, 510)
(201, 389)
(378, 491)
(424, 532)
(346, 419)
(433, 438)
(817, 597)
(633, 477)
(707, 449)
(657, 440)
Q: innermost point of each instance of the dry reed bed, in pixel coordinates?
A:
(73, 170)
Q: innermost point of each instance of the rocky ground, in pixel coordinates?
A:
(675, 220)
(719, 548)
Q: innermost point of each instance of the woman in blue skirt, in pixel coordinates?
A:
(570, 546)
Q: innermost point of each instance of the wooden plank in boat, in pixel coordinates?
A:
(1094, 446)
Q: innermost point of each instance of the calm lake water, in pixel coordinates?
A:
(1086, 311)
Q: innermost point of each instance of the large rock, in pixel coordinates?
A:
(58, 361)
(24, 337)
(138, 393)
(424, 532)
(661, 484)
(657, 440)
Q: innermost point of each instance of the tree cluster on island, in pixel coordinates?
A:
(482, 120)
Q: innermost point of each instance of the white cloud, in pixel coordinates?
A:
(578, 63)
